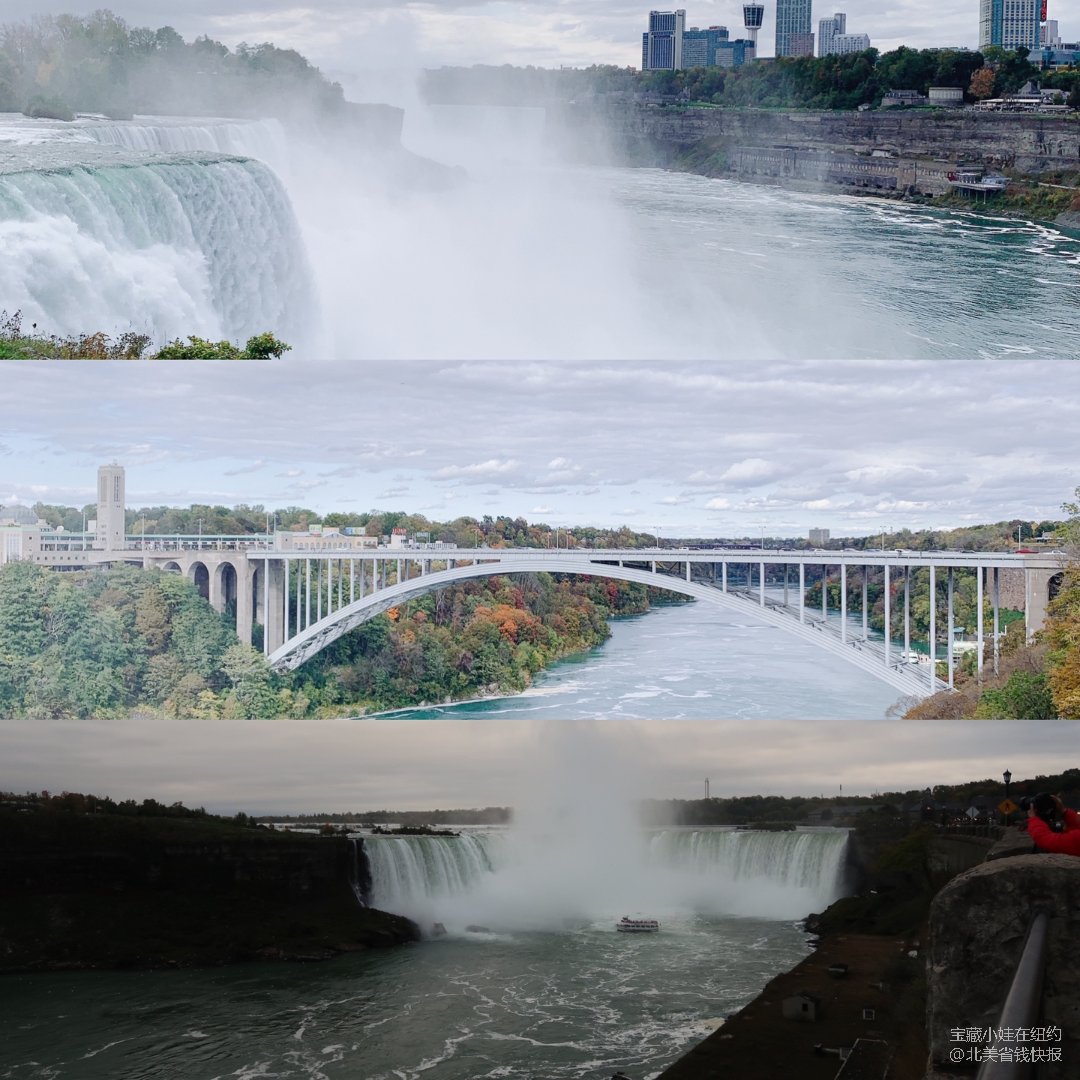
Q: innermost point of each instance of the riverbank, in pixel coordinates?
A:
(879, 998)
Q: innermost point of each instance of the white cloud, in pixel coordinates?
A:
(491, 467)
(750, 471)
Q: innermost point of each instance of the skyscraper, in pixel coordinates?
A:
(827, 29)
(1009, 23)
(661, 44)
(699, 46)
(793, 18)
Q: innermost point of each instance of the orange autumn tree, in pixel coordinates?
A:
(1062, 632)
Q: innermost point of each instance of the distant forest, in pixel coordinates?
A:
(827, 82)
(54, 66)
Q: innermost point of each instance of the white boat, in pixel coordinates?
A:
(637, 926)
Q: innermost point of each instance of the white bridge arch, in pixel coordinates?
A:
(303, 596)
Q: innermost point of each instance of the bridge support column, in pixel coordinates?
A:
(723, 576)
(274, 606)
(307, 593)
(216, 592)
(865, 603)
(761, 584)
(995, 599)
(1036, 599)
(980, 575)
(952, 633)
(888, 617)
(802, 591)
(245, 574)
(843, 602)
(907, 613)
(933, 626)
(687, 569)
(824, 593)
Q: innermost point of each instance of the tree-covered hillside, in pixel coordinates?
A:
(100, 643)
(56, 65)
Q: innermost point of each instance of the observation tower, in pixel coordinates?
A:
(753, 15)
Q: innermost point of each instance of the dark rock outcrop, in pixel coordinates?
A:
(99, 892)
(978, 924)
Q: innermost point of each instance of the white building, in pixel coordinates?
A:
(845, 44)
(828, 29)
(834, 40)
(111, 509)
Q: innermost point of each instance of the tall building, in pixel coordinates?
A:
(699, 46)
(819, 537)
(801, 45)
(827, 29)
(733, 54)
(793, 18)
(661, 44)
(1050, 35)
(753, 15)
(110, 511)
(1012, 24)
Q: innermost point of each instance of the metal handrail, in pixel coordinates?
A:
(1023, 1003)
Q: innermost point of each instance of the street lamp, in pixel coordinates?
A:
(763, 536)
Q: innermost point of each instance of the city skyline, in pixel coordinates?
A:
(380, 35)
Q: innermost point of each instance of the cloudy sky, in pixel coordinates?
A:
(262, 767)
(678, 448)
(342, 35)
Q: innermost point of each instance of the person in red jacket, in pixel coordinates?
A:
(1066, 842)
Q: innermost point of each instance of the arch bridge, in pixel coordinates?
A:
(306, 600)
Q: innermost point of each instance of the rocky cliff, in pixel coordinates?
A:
(112, 891)
(877, 149)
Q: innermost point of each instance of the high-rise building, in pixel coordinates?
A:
(733, 54)
(819, 537)
(111, 509)
(827, 29)
(661, 44)
(753, 15)
(792, 17)
(801, 45)
(699, 46)
(1012, 24)
(1050, 36)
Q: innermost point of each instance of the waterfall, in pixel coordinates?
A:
(509, 879)
(808, 864)
(263, 140)
(408, 869)
(192, 244)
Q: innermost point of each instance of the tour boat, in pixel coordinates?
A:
(637, 926)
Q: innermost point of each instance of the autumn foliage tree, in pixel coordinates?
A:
(982, 84)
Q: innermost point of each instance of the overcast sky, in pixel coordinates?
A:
(390, 763)
(345, 35)
(678, 447)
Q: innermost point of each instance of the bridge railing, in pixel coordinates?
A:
(1008, 1058)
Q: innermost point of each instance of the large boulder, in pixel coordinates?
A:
(978, 924)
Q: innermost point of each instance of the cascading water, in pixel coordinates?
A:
(263, 140)
(508, 880)
(152, 228)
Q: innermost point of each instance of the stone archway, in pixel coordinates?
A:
(199, 576)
